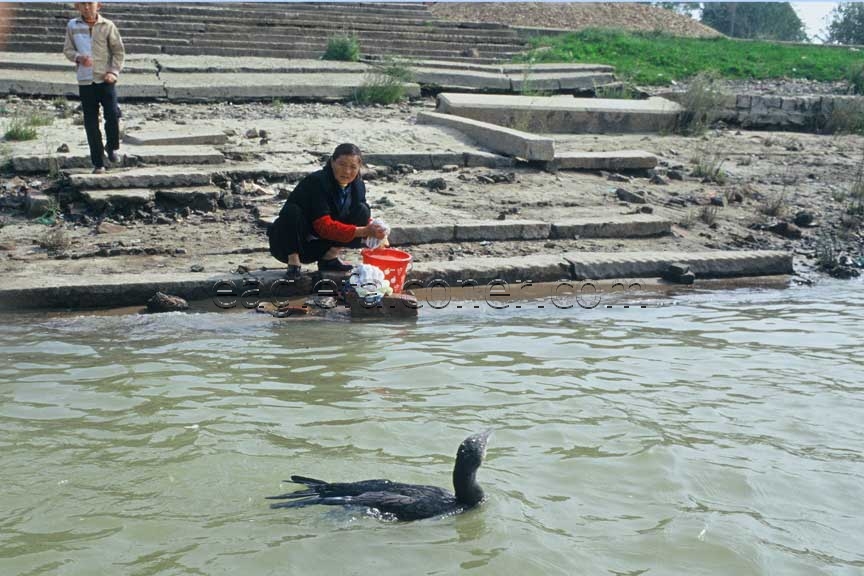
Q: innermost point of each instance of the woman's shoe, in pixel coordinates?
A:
(293, 272)
(334, 265)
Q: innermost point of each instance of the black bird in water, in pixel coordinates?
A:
(394, 500)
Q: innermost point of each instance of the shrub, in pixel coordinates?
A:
(18, 130)
(344, 48)
(700, 103)
(855, 77)
(385, 84)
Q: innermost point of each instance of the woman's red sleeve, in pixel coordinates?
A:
(329, 229)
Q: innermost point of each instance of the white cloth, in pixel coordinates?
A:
(368, 280)
(373, 242)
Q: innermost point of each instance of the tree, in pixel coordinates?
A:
(683, 8)
(757, 20)
(847, 24)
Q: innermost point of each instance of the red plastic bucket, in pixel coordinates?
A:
(394, 263)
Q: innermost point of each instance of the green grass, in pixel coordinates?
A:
(654, 58)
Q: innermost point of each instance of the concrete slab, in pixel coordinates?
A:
(501, 230)
(537, 268)
(503, 140)
(182, 135)
(545, 68)
(52, 83)
(148, 155)
(613, 160)
(421, 234)
(623, 226)
(202, 198)
(599, 266)
(166, 177)
(126, 196)
(473, 80)
(557, 81)
(256, 86)
(183, 176)
(562, 114)
(177, 154)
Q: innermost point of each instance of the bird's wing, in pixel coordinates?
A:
(380, 500)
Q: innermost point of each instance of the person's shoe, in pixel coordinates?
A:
(112, 157)
(99, 170)
(293, 272)
(334, 265)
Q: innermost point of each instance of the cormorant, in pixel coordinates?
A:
(397, 500)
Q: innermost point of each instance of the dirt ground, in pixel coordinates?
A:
(756, 182)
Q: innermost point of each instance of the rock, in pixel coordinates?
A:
(161, 302)
(626, 196)
(437, 184)
(678, 273)
(803, 219)
(646, 209)
(449, 168)
(109, 228)
(659, 180)
(404, 169)
(196, 268)
(717, 201)
(252, 133)
(484, 179)
(63, 148)
(786, 230)
(675, 175)
(615, 177)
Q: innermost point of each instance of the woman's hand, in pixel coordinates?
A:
(110, 78)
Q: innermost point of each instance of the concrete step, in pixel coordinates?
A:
(562, 114)
(496, 138)
(721, 264)
(607, 226)
(604, 265)
(104, 290)
(185, 176)
(613, 160)
(179, 136)
(129, 155)
(204, 197)
(200, 87)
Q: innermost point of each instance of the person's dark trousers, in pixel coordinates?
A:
(92, 96)
(289, 234)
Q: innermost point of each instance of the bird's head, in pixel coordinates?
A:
(472, 450)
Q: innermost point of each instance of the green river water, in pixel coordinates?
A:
(718, 434)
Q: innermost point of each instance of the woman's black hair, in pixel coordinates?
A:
(346, 150)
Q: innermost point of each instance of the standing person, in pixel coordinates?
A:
(94, 44)
(325, 213)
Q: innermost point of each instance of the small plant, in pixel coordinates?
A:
(55, 240)
(709, 167)
(39, 119)
(708, 214)
(846, 115)
(277, 104)
(18, 130)
(343, 48)
(855, 77)
(856, 194)
(701, 103)
(827, 251)
(774, 205)
(688, 220)
(385, 84)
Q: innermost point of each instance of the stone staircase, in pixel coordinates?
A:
(299, 30)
